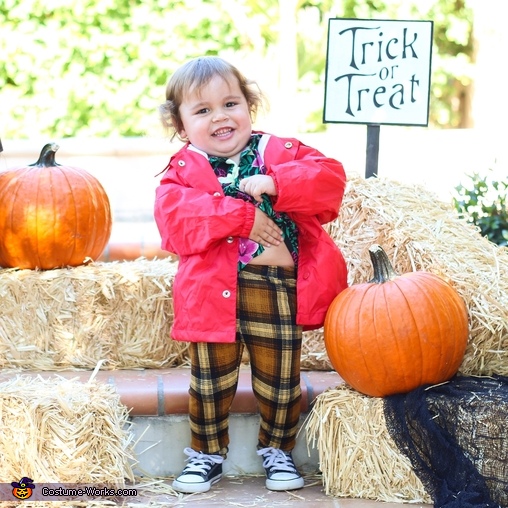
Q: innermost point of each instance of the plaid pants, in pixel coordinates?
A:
(266, 326)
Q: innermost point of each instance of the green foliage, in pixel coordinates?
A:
(453, 40)
(98, 67)
(484, 203)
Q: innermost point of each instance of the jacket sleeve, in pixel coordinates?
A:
(191, 220)
(310, 184)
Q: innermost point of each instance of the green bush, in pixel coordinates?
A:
(483, 202)
(98, 68)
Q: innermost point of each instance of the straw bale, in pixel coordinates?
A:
(72, 318)
(314, 355)
(122, 312)
(419, 232)
(357, 456)
(63, 431)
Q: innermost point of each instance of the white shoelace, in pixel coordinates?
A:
(277, 459)
(200, 462)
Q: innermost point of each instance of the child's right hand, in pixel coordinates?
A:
(265, 231)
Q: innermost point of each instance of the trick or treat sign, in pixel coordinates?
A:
(378, 71)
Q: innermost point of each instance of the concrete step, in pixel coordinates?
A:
(161, 440)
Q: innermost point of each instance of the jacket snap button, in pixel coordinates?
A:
(229, 239)
(181, 163)
(288, 144)
(226, 293)
(216, 193)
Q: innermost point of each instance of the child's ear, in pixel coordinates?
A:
(182, 134)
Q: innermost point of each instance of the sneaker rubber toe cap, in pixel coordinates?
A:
(284, 481)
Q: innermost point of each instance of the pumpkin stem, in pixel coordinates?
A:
(47, 156)
(383, 269)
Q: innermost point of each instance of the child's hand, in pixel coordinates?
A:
(258, 184)
(265, 231)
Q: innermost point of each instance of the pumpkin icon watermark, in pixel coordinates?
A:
(23, 489)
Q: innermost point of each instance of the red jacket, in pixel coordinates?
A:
(202, 226)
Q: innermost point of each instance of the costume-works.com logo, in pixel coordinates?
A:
(23, 489)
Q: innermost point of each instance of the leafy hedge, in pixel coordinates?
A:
(484, 203)
(98, 67)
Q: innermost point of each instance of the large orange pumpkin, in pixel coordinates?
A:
(396, 332)
(51, 215)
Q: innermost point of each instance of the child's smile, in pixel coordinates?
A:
(222, 132)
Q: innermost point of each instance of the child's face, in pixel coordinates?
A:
(216, 118)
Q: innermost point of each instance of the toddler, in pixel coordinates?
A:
(243, 210)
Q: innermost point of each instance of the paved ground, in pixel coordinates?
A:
(250, 491)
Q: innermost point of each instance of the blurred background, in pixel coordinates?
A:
(90, 74)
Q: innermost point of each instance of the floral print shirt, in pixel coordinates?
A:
(229, 175)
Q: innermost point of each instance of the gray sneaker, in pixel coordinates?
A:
(281, 473)
(201, 472)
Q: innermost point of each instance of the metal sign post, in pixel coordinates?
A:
(377, 73)
(372, 157)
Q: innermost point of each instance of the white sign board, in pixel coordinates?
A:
(378, 71)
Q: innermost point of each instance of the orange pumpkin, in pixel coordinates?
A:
(396, 332)
(51, 215)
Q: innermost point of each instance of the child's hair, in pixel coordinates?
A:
(195, 74)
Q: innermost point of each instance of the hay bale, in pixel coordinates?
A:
(357, 456)
(63, 431)
(395, 449)
(314, 355)
(122, 312)
(72, 318)
(418, 232)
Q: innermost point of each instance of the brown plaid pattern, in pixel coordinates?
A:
(266, 326)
